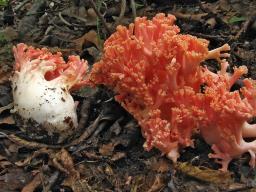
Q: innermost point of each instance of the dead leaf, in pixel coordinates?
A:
(7, 120)
(77, 185)
(14, 179)
(108, 170)
(65, 163)
(118, 155)
(5, 95)
(224, 5)
(5, 75)
(107, 149)
(91, 37)
(30, 187)
(4, 163)
(27, 161)
(9, 106)
(160, 165)
(205, 174)
(13, 148)
(73, 180)
(157, 184)
(10, 34)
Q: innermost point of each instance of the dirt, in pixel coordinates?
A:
(109, 156)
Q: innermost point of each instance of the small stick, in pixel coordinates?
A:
(63, 20)
(18, 7)
(100, 16)
(133, 6)
(244, 28)
(122, 12)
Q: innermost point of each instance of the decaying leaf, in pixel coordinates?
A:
(27, 160)
(107, 149)
(14, 179)
(7, 120)
(65, 163)
(9, 106)
(5, 75)
(90, 37)
(157, 184)
(118, 155)
(10, 33)
(159, 165)
(205, 174)
(73, 180)
(4, 163)
(77, 185)
(30, 187)
(5, 95)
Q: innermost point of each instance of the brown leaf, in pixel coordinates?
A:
(14, 179)
(205, 174)
(27, 161)
(9, 106)
(10, 34)
(4, 163)
(118, 155)
(30, 187)
(7, 120)
(108, 170)
(161, 165)
(65, 160)
(107, 149)
(91, 37)
(5, 95)
(4, 75)
(157, 184)
(77, 185)
(13, 148)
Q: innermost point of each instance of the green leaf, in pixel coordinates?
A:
(236, 19)
(138, 5)
(3, 2)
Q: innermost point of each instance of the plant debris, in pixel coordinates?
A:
(106, 153)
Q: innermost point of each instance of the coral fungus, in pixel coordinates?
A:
(156, 74)
(41, 84)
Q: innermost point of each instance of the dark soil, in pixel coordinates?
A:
(110, 155)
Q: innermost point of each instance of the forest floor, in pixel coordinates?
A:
(111, 157)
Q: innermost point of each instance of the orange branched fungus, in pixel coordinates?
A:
(157, 76)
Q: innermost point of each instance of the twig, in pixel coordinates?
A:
(88, 132)
(63, 20)
(213, 37)
(9, 106)
(30, 187)
(122, 12)
(195, 17)
(243, 29)
(84, 113)
(101, 126)
(100, 16)
(3, 135)
(133, 6)
(52, 180)
(31, 144)
(18, 7)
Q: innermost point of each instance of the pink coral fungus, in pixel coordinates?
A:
(41, 85)
(227, 113)
(156, 74)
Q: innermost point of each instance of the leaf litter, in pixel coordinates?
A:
(107, 154)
